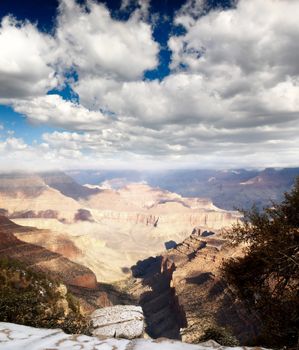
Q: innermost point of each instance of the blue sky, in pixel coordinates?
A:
(148, 83)
(45, 17)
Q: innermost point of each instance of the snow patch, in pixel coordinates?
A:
(13, 336)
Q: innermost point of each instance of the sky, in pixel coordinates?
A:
(149, 84)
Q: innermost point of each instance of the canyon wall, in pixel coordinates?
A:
(208, 219)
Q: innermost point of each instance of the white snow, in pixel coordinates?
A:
(15, 337)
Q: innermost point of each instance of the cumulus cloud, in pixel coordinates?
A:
(86, 40)
(217, 70)
(54, 110)
(176, 147)
(13, 144)
(235, 76)
(179, 99)
(232, 96)
(27, 60)
(15, 154)
(97, 45)
(251, 39)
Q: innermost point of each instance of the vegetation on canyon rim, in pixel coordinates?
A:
(33, 299)
(267, 276)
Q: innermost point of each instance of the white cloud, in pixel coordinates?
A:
(231, 98)
(237, 93)
(179, 99)
(255, 37)
(27, 60)
(233, 77)
(54, 110)
(86, 40)
(97, 45)
(13, 144)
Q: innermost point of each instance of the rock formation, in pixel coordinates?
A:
(182, 293)
(43, 195)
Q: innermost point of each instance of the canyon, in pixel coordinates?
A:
(155, 248)
(227, 188)
(106, 230)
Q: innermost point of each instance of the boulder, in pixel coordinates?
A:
(119, 321)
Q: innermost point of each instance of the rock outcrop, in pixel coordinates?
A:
(119, 321)
(31, 185)
(182, 293)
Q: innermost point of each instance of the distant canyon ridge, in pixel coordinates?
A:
(227, 189)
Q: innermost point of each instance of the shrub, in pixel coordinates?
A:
(33, 299)
(221, 335)
(267, 276)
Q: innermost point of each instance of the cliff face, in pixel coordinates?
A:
(205, 218)
(43, 195)
(193, 298)
(41, 259)
(142, 204)
(154, 292)
(56, 195)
